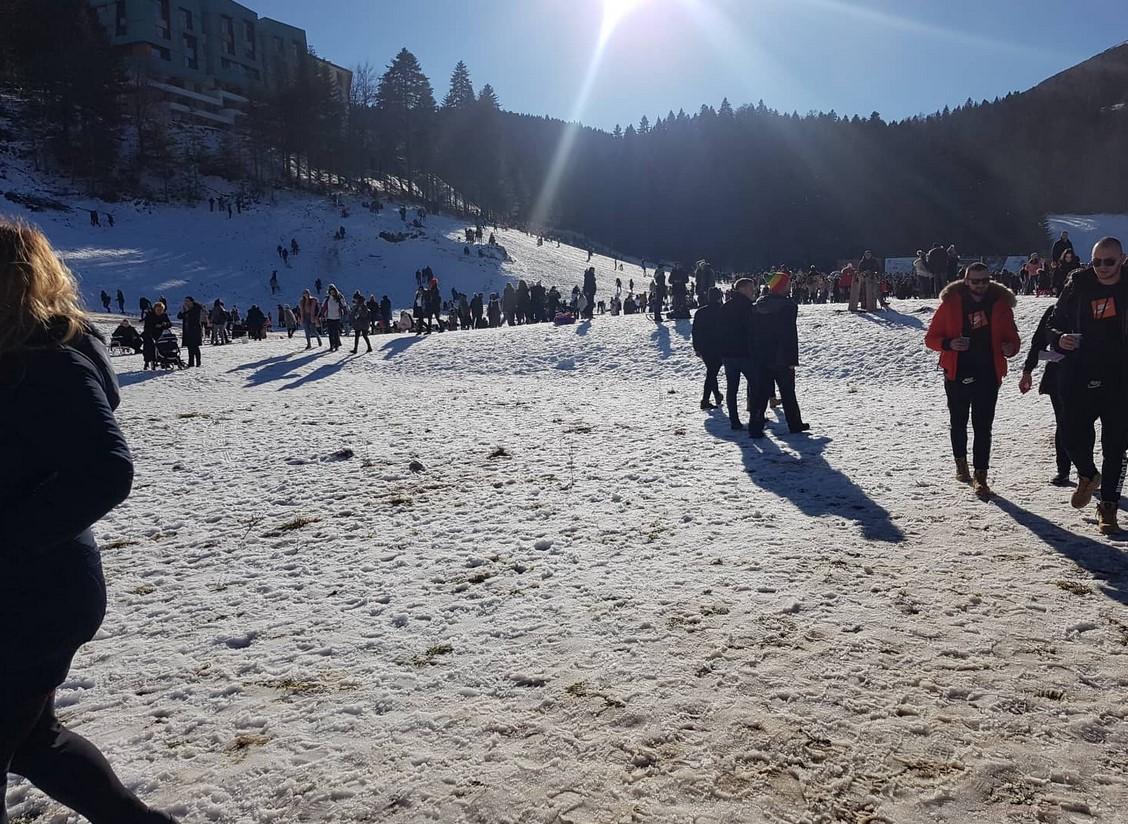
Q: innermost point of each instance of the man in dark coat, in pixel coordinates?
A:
(192, 332)
(1090, 327)
(707, 345)
(386, 312)
(775, 341)
(734, 341)
(1059, 247)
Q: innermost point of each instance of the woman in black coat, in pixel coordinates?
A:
(192, 332)
(156, 321)
(66, 465)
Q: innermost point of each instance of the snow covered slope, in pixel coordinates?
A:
(177, 251)
(1085, 230)
(594, 602)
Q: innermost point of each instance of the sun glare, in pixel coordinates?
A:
(613, 13)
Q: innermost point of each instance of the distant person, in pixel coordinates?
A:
(708, 344)
(1060, 245)
(211, 204)
(94, 218)
(317, 285)
(106, 300)
(361, 318)
(110, 219)
(310, 310)
(334, 311)
(274, 290)
(192, 329)
(66, 466)
(121, 301)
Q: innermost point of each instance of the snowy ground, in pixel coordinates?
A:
(594, 602)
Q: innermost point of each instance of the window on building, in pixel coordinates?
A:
(160, 53)
(278, 44)
(227, 33)
(191, 52)
(163, 16)
(186, 19)
(249, 39)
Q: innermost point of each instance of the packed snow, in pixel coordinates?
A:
(517, 575)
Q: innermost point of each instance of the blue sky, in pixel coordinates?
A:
(854, 56)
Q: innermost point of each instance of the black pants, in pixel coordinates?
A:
(766, 379)
(357, 335)
(977, 400)
(734, 368)
(1061, 448)
(712, 386)
(149, 349)
(62, 764)
(334, 333)
(193, 355)
(1082, 407)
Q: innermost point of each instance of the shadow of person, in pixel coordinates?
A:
(684, 327)
(320, 373)
(1105, 561)
(661, 338)
(891, 317)
(276, 370)
(398, 345)
(583, 328)
(807, 480)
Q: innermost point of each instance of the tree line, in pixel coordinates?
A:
(746, 187)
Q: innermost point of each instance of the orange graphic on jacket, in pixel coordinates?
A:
(977, 320)
(1104, 308)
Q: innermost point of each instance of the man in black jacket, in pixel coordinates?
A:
(1090, 327)
(707, 345)
(192, 331)
(1059, 247)
(775, 342)
(735, 343)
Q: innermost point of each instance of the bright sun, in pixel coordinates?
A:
(613, 13)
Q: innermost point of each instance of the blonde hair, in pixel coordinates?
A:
(36, 288)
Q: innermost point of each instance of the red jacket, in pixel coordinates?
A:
(949, 322)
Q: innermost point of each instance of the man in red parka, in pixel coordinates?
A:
(974, 332)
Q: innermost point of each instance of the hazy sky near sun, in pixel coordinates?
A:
(897, 57)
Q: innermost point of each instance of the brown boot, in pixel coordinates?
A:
(1084, 491)
(963, 474)
(1106, 517)
(979, 484)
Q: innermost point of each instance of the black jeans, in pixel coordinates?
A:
(1082, 407)
(712, 386)
(193, 355)
(734, 368)
(334, 333)
(1061, 448)
(977, 400)
(357, 335)
(767, 378)
(67, 767)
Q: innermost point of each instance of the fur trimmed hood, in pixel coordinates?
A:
(995, 289)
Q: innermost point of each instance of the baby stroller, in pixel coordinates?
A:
(168, 351)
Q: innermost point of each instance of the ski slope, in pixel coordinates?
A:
(177, 251)
(589, 601)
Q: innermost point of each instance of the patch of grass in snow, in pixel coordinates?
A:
(399, 499)
(1074, 587)
(144, 589)
(499, 452)
(294, 523)
(427, 658)
(580, 689)
(118, 544)
(184, 415)
(308, 686)
(244, 741)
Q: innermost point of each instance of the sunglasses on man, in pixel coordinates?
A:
(980, 281)
(1105, 263)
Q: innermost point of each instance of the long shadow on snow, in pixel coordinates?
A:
(397, 346)
(264, 362)
(807, 480)
(661, 337)
(583, 328)
(1105, 562)
(319, 373)
(684, 328)
(891, 317)
(280, 369)
(130, 378)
